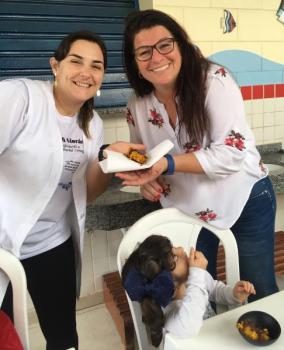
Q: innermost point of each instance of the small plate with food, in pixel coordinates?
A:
(258, 328)
(117, 162)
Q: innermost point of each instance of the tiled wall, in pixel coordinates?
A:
(265, 114)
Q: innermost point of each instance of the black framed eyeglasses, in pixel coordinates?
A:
(164, 46)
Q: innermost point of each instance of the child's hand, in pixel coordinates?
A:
(197, 259)
(242, 290)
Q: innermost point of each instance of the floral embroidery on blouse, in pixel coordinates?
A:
(156, 118)
(221, 71)
(235, 139)
(129, 117)
(190, 147)
(166, 190)
(206, 215)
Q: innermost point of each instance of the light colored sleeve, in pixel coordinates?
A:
(131, 114)
(97, 134)
(219, 292)
(184, 318)
(223, 154)
(13, 111)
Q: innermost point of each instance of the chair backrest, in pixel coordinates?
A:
(183, 231)
(16, 273)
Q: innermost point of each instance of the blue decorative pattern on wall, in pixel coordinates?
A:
(249, 68)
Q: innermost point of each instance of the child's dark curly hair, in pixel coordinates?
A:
(152, 256)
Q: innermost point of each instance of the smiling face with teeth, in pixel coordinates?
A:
(161, 69)
(78, 76)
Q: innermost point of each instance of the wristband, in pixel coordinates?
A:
(171, 165)
(101, 152)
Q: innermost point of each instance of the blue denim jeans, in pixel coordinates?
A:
(254, 233)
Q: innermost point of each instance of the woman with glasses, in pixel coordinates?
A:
(214, 171)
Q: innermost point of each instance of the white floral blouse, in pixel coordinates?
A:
(228, 156)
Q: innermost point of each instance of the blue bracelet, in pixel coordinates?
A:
(171, 165)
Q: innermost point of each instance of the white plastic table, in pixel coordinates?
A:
(220, 332)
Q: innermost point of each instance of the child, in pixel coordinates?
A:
(175, 290)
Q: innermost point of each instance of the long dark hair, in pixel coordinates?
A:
(190, 85)
(86, 111)
(152, 256)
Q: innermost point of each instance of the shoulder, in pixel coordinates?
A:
(27, 87)
(220, 75)
(220, 81)
(139, 103)
(18, 86)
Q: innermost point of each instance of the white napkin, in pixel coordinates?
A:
(116, 162)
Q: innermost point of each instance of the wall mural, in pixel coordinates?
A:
(228, 22)
(280, 12)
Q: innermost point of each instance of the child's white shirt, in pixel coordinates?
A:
(184, 317)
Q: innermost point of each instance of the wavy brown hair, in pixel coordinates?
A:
(191, 80)
(86, 111)
(152, 256)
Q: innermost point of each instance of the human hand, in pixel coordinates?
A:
(153, 190)
(142, 177)
(125, 147)
(197, 259)
(242, 290)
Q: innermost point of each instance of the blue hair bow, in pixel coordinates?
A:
(161, 289)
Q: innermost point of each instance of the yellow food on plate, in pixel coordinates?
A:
(137, 157)
(252, 332)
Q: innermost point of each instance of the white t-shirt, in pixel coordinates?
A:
(52, 228)
(184, 318)
(228, 156)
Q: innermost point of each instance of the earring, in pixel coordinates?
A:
(55, 81)
(140, 75)
(99, 93)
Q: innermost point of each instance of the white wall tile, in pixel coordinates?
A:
(109, 122)
(249, 119)
(268, 104)
(279, 118)
(257, 106)
(279, 132)
(121, 121)
(268, 134)
(279, 104)
(268, 119)
(99, 244)
(258, 134)
(257, 120)
(112, 264)
(101, 267)
(114, 235)
(113, 247)
(122, 134)
(88, 283)
(109, 135)
(248, 106)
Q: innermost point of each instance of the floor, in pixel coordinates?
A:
(95, 328)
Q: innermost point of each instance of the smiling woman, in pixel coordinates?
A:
(43, 206)
(213, 172)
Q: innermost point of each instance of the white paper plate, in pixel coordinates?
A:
(117, 162)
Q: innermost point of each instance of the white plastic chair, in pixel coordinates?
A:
(16, 273)
(183, 231)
